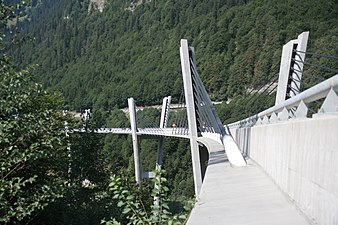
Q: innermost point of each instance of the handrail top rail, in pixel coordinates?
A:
(314, 93)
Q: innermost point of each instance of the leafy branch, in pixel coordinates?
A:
(133, 208)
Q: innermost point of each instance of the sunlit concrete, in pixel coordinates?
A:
(301, 156)
(241, 195)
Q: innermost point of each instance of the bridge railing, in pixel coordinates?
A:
(297, 106)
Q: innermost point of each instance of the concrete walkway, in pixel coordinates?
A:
(240, 196)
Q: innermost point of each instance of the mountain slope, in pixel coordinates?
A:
(100, 59)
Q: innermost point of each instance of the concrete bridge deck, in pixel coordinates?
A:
(240, 196)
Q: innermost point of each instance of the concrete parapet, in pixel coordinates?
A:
(301, 156)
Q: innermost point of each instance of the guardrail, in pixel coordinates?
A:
(296, 107)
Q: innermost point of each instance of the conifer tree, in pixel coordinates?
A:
(32, 138)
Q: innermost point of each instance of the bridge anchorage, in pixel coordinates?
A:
(291, 157)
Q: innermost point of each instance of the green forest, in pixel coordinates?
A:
(64, 55)
(98, 60)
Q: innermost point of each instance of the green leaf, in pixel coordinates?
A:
(120, 204)
(126, 210)
(130, 197)
(116, 196)
(182, 217)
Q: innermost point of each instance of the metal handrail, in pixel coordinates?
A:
(314, 93)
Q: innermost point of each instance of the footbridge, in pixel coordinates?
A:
(278, 166)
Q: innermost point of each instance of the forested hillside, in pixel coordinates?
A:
(98, 60)
(98, 57)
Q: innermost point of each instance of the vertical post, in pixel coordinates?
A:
(287, 76)
(65, 112)
(299, 63)
(132, 115)
(189, 98)
(163, 124)
(159, 153)
(284, 71)
(165, 111)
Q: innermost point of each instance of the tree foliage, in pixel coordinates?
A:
(136, 210)
(32, 146)
(32, 138)
(100, 59)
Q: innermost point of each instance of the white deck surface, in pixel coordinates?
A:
(240, 196)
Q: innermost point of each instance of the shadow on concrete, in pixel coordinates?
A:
(217, 157)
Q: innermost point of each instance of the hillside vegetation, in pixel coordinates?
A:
(98, 60)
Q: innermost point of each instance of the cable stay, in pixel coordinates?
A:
(315, 65)
(316, 54)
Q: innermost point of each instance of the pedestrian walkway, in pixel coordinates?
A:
(240, 196)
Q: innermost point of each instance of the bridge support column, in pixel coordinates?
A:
(163, 124)
(132, 115)
(159, 153)
(299, 63)
(192, 124)
(291, 68)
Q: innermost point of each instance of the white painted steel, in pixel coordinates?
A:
(314, 93)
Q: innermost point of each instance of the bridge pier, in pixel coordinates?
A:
(163, 124)
(290, 72)
(191, 115)
(202, 117)
(132, 114)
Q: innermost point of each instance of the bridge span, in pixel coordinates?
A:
(278, 167)
(240, 195)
